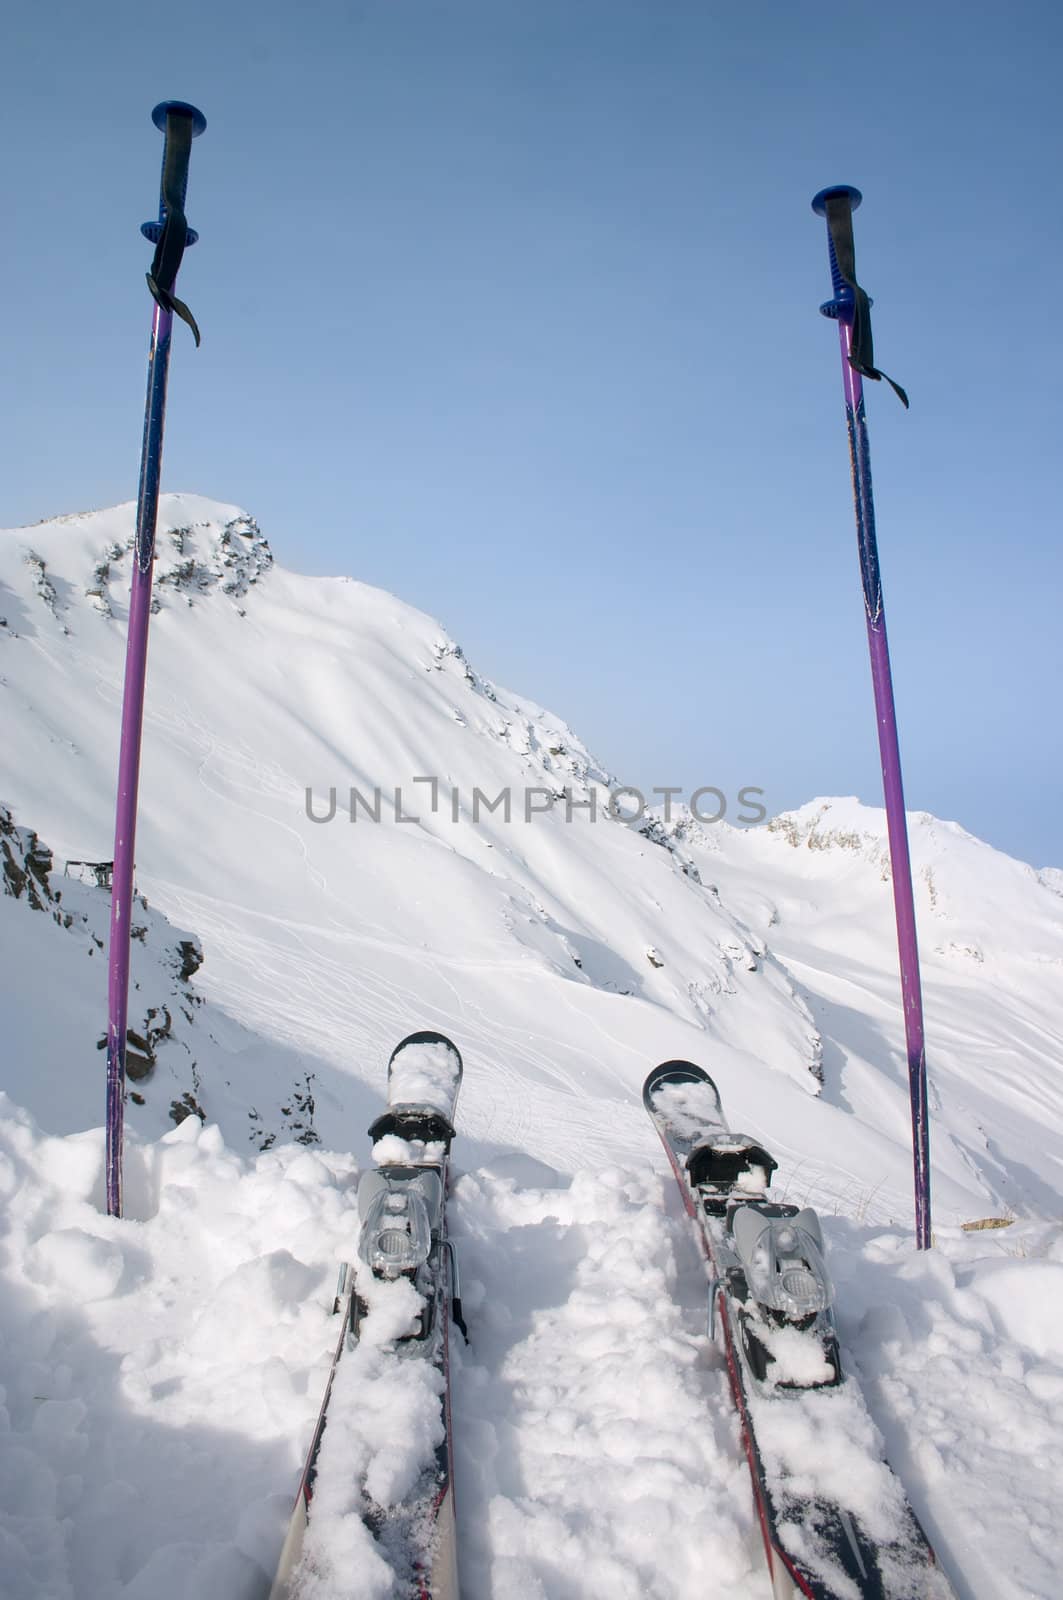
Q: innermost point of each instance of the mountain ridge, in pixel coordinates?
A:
(573, 946)
(183, 1349)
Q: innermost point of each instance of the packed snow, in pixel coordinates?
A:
(424, 1073)
(689, 1107)
(161, 1374)
(382, 1452)
(393, 1151)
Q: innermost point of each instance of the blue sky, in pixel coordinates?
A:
(510, 307)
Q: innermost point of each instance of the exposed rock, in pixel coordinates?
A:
(44, 586)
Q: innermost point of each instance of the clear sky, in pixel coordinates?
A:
(510, 306)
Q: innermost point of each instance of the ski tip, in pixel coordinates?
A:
(427, 1036)
(675, 1072)
(180, 108)
(819, 201)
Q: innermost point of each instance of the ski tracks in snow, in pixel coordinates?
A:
(597, 1451)
(162, 1374)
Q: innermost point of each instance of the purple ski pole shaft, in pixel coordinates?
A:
(180, 123)
(844, 309)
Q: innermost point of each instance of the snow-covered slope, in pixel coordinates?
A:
(565, 954)
(531, 939)
(815, 887)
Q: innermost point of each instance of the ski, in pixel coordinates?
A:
(835, 1520)
(402, 1235)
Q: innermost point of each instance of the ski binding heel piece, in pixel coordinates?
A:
(726, 1165)
(415, 1125)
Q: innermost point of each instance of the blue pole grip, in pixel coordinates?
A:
(841, 289)
(843, 294)
(163, 117)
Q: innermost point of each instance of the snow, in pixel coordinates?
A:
(424, 1074)
(797, 1356)
(161, 1374)
(850, 1474)
(393, 1151)
(391, 1429)
(155, 1371)
(592, 1428)
(689, 1107)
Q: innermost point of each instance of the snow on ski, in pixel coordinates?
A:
(834, 1517)
(395, 1306)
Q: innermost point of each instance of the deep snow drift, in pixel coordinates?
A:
(161, 1374)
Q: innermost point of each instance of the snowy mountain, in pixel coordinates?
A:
(321, 870)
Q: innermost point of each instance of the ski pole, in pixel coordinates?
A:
(180, 124)
(851, 308)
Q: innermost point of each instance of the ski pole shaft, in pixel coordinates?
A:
(847, 306)
(180, 123)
